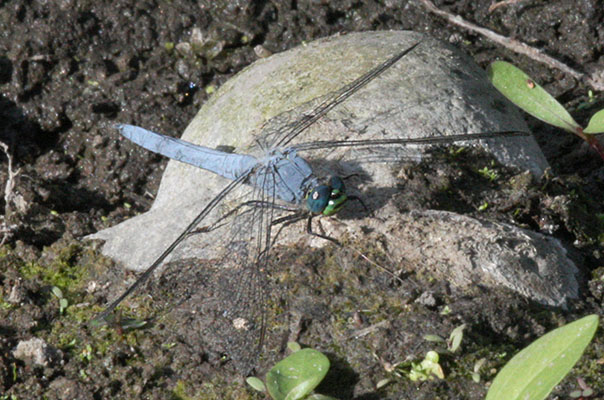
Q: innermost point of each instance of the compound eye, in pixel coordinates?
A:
(318, 198)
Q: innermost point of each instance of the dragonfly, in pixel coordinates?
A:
(279, 186)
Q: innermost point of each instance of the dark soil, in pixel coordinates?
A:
(68, 68)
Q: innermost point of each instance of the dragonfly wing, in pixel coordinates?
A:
(222, 301)
(207, 210)
(291, 131)
(448, 97)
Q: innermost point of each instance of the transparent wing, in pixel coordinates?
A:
(222, 301)
(386, 149)
(209, 208)
(283, 129)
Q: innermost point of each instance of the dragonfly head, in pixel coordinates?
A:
(327, 199)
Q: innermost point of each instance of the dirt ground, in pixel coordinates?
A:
(67, 68)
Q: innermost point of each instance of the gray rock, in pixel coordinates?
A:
(36, 351)
(426, 299)
(469, 252)
(433, 90)
(17, 293)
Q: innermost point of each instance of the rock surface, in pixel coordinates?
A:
(36, 351)
(468, 252)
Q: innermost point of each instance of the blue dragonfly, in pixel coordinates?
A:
(282, 188)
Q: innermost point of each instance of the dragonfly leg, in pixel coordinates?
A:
(285, 221)
(335, 241)
(251, 203)
(310, 232)
(291, 218)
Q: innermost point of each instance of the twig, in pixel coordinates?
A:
(5, 229)
(595, 81)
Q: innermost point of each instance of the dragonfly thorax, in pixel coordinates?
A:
(327, 199)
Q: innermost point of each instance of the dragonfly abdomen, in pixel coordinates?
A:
(228, 165)
(286, 174)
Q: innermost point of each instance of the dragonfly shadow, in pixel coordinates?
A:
(340, 380)
(192, 305)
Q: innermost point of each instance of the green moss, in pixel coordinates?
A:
(62, 271)
(598, 273)
(179, 392)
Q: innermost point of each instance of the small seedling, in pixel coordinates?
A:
(488, 173)
(426, 369)
(294, 377)
(63, 303)
(86, 353)
(523, 91)
(584, 393)
(455, 338)
(535, 370)
(477, 366)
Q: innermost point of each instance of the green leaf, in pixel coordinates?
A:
(478, 365)
(596, 123)
(535, 370)
(430, 364)
(297, 375)
(62, 305)
(382, 383)
(256, 384)
(431, 357)
(434, 338)
(456, 337)
(320, 397)
(521, 90)
(57, 292)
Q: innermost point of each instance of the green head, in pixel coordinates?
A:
(327, 199)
